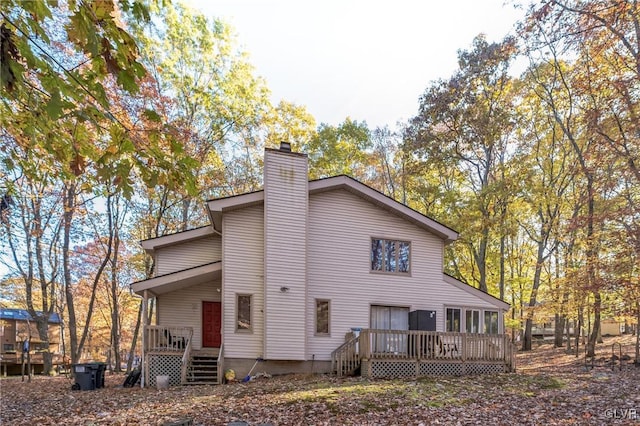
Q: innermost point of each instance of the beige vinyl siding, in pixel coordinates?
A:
(340, 229)
(242, 273)
(183, 308)
(285, 221)
(188, 255)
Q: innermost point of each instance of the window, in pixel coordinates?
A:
(472, 321)
(491, 322)
(322, 317)
(453, 320)
(390, 255)
(243, 311)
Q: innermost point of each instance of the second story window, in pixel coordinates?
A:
(390, 255)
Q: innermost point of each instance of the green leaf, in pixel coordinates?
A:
(152, 115)
(54, 106)
(8, 163)
(127, 80)
(127, 146)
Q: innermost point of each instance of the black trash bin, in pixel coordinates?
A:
(84, 376)
(99, 368)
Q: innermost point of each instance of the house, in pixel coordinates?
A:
(18, 326)
(286, 274)
(611, 327)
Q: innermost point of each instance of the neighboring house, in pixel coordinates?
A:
(16, 327)
(611, 327)
(288, 273)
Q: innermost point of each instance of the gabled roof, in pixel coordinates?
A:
(218, 206)
(476, 292)
(179, 237)
(24, 315)
(178, 279)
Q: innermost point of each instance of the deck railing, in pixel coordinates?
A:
(167, 339)
(425, 345)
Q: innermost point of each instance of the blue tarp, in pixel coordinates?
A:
(23, 315)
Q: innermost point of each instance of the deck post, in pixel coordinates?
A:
(464, 347)
(365, 351)
(145, 323)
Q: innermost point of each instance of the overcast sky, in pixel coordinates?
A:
(370, 60)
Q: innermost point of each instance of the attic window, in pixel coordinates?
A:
(390, 256)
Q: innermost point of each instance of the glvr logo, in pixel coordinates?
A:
(622, 413)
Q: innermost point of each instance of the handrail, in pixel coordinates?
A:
(186, 358)
(220, 361)
(346, 358)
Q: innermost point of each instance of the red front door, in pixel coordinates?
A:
(211, 324)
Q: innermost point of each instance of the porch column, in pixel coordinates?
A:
(145, 323)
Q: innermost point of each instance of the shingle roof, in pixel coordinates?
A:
(23, 315)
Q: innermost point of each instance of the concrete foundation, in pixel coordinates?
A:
(274, 367)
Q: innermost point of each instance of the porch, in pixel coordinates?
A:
(11, 362)
(168, 351)
(412, 353)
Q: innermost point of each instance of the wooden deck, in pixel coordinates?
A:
(168, 351)
(11, 362)
(401, 353)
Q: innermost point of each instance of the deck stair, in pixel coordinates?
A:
(345, 360)
(203, 368)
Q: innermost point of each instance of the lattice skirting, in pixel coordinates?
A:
(165, 365)
(403, 368)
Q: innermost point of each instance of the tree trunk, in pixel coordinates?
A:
(591, 272)
(69, 208)
(502, 239)
(115, 312)
(134, 342)
(482, 260)
(42, 323)
(526, 341)
(638, 332)
(558, 331)
(579, 330)
(96, 278)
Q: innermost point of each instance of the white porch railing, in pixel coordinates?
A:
(167, 341)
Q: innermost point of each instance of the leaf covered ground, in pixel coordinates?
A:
(550, 387)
